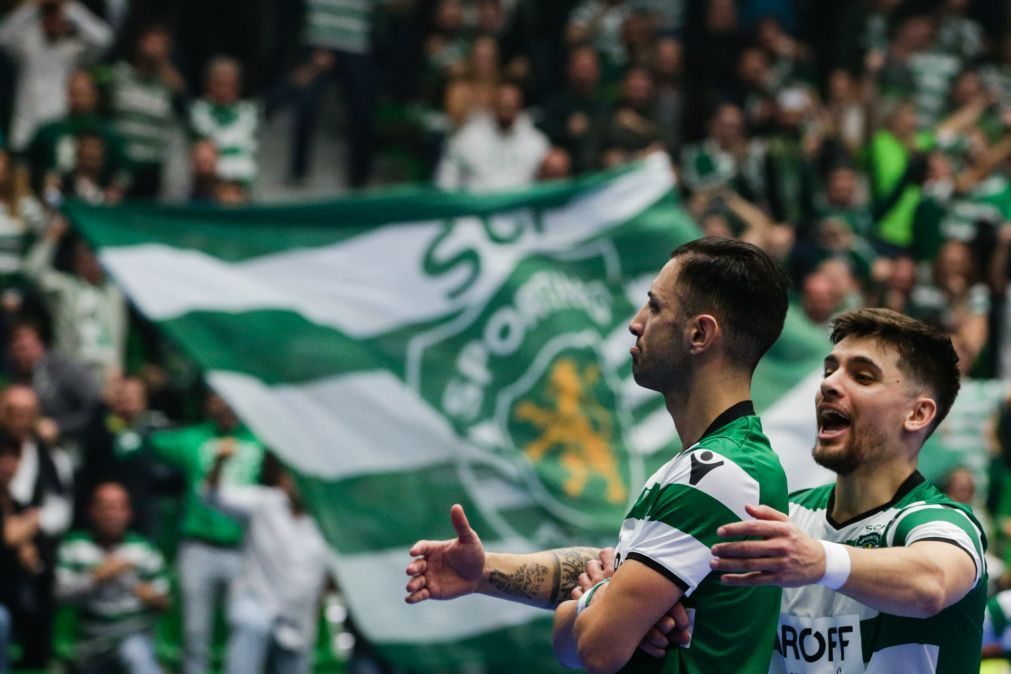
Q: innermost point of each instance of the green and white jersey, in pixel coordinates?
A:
(142, 113)
(672, 527)
(933, 73)
(339, 24)
(109, 610)
(821, 631)
(235, 131)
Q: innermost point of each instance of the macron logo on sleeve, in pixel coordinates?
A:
(703, 463)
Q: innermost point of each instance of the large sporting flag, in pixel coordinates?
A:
(414, 349)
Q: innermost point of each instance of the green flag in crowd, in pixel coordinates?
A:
(412, 349)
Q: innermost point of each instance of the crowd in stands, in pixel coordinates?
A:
(867, 144)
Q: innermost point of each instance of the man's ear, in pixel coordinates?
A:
(703, 331)
(921, 415)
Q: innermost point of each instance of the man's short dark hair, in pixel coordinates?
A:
(740, 284)
(926, 354)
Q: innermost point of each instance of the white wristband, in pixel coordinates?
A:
(837, 565)
(586, 597)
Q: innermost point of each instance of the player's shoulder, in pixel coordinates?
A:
(812, 498)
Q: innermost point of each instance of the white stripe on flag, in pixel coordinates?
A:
(339, 427)
(375, 282)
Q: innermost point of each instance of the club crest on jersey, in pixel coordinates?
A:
(703, 463)
(871, 540)
(528, 382)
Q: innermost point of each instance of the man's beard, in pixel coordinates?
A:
(852, 455)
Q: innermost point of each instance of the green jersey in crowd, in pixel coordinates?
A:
(110, 611)
(672, 527)
(192, 450)
(825, 631)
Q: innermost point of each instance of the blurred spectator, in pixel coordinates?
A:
(473, 91)
(45, 474)
(726, 158)
(25, 594)
(203, 171)
(230, 193)
(954, 299)
(343, 29)
(67, 392)
(115, 447)
(209, 555)
(600, 23)
(959, 485)
(141, 93)
(957, 34)
(54, 147)
(273, 604)
(631, 129)
(1000, 286)
(119, 581)
(917, 69)
(88, 310)
(668, 73)
(498, 152)
(789, 171)
(48, 39)
(847, 111)
(555, 166)
(445, 50)
(820, 299)
(233, 125)
(21, 216)
(572, 116)
(92, 178)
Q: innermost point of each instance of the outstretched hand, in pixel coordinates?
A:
(786, 556)
(446, 569)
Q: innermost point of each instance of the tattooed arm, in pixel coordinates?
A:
(460, 566)
(543, 579)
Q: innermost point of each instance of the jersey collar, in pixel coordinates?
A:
(911, 483)
(745, 408)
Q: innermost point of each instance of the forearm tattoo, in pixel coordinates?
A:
(525, 582)
(546, 585)
(569, 563)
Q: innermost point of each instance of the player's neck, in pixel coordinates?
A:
(696, 406)
(868, 487)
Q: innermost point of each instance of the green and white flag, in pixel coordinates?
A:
(413, 349)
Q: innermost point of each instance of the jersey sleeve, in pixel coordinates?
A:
(676, 540)
(936, 522)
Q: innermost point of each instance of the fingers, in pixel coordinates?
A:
(679, 614)
(764, 512)
(761, 528)
(459, 519)
(607, 558)
(417, 584)
(749, 579)
(584, 582)
(595, 571)
(577, 592)
(748, 549)
(421, 548)
(415, 597)
(417, 567)
(767, 564)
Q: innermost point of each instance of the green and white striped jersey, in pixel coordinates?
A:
(109, 610)
(235, 131)
(142, 113)
(339, 24)
(672, 527)
(825, 631)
